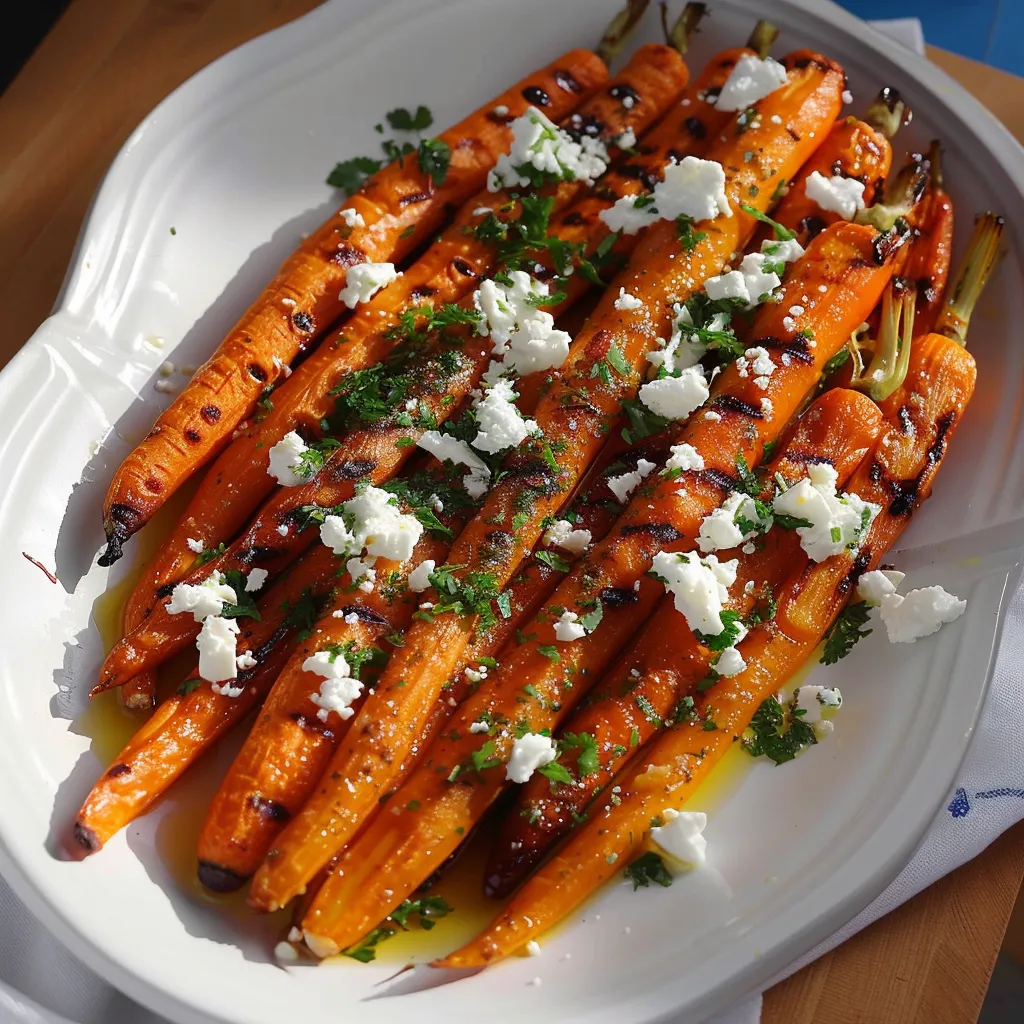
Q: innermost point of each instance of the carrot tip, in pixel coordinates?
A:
(219, 879)
(86, 838)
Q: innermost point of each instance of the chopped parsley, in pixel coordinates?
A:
(648, 710)
(727, 638)
(777, 733)
(648, 868)
(245, 603)
(302, 615)
(471, 594)
(782, 234)
(553, 561)
(787, 522)
(425, 911)
(434, 156)
(845, 632)
(587, 761)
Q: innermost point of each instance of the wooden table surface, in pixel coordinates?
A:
(102, 68)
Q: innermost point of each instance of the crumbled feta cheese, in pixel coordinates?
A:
(878, 583)
(475, 675)
(685, 458)
(334, 532)
(837, 522)
(749, 81)
(712, 416)
(338, 689)
(419, 578)
(226, 689)
(500, 110)
(501, 425)
(789, 251)
(568, 627)
(730, 663)
(202, 600)
(681, 838)
(751, 283)
(847, 97)
(216, 643)
(286, 952)
(255, 580)
(479, 727)
(196, 546)
(837, 194)
(533, 948)
(283, 529)
(364, 280)
(352, 218)
(536, 345)
(817, 702)
(538, 143)
(503, 306)
(624, 485)
(246, 661)
(719, 529)
(446, 448)
(760, 361)
(287, 466)
(561, 534)
(699, 587)
(626, 217)
(727, 286)
(921, 613)
(675, 398)
(627, 302)
(529, 752)
(377, 525)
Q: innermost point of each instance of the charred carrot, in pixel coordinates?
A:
(858, 149)
(450, 791)
(535, 486)
(400, 207)
(664, 666)
(681, 758)
(186, 725)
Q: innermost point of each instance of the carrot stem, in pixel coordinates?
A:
(619, 29)
(888, 367)
(983, 256)
(888, 112)
(761, 39)
(680, 35)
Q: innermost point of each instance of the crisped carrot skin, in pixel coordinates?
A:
(665, 663)
(183, 727)
(401, 207)
(237, 482)
(930, 256)
(943, 375)
(852, 149)
(662, 269)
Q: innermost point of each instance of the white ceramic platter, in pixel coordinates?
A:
(235, 162)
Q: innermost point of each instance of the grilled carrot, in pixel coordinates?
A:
(432, 812)
(186, 725)
(401, 206)
(661, 666)
(942, 373)
(532, 488)
(854, 148)
(237, 481)
(378, 454)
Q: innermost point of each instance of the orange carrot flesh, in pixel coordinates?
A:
(942, 374)
(236, 483)
(852, 149)
(663, 269)
(186, 725)
(432, 812)
(661, 666)
(929, 258)
(401, 207)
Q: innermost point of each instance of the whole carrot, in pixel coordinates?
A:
(186, 725)
(446, 797)
(532, 488)
(400, 207)
(942, 373)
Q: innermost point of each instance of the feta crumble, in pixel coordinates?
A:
(920, 613)
(682, 839)
(685, 458)
(445, 448)
(529, 752)
(562, 534)
(202, 600)
(364, 280)
(245, 661)
(255, 580)
(837, 194)
(878, 583)
(378, 526)
(699, 587)
(286, 459)
(569, 628)
(419, 578)
(751, 80)
(479, 727)
(195, 546)
(837, 522)
(352, 218)
(338, 689)
(217, 649)
(719, 529)
(730, 663)
(675, 398)
(542, 145)
(624, 485)
(627, 302)
(500, 424)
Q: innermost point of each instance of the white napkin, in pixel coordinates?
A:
(984, 804)
(988, 797)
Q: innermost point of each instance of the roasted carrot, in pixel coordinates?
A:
(400, 206)
(186, 725)
(436, 808)
(489, 548)
(378, 454)
(661, 666)
(854, 148)
(942, 374)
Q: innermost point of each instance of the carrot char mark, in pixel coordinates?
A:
(86, 838)
(537, 96)
(859, 567)
(352, 469)
(269, 808)
(796, 348)
(118, 769)
(567, 82)
(348, 256)
(729, 403)
(717, 478)
(812, 225)
(217, 878)
(303, 322)
(626, 94)
(257, 553)
(618, 597)
(663, 533)
(210, 413)
(696, 127)
(122, 522)
(364, 614)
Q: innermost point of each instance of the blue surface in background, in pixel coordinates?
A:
(987, 30)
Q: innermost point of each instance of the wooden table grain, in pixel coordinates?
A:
(101, 69)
